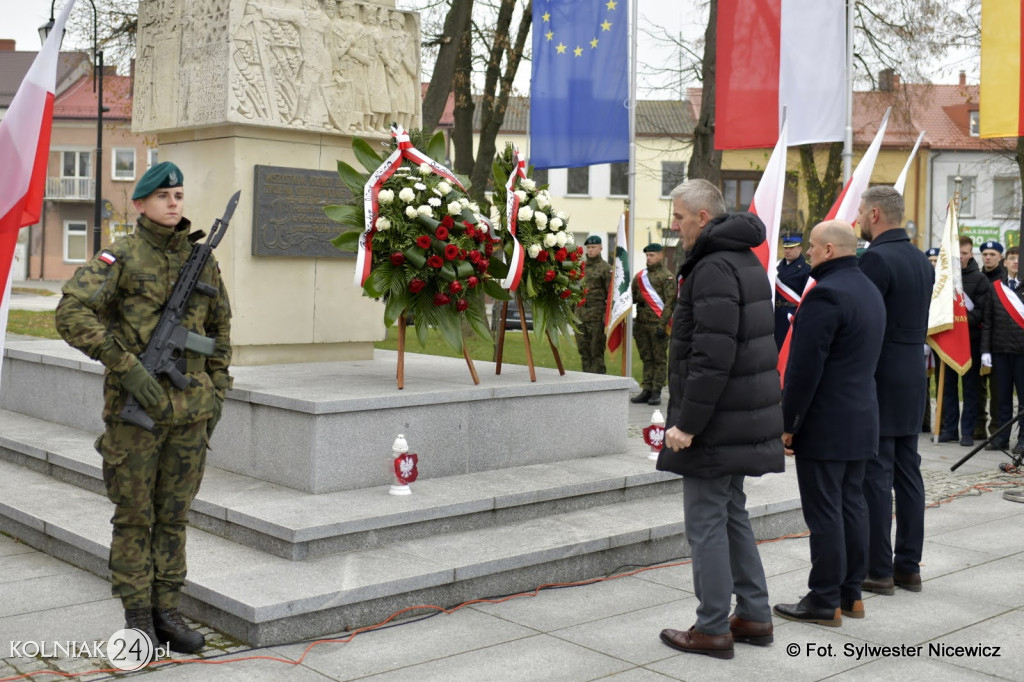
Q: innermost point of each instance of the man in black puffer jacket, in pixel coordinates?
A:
(724, 414)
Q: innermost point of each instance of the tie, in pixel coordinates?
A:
(1014, 284)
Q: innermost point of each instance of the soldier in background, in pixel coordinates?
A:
(654, 292)
(110, 307)
(590, 339)
(793, 272)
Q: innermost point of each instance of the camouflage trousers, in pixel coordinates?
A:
(654, 354)
(152, 479)
(590, 341)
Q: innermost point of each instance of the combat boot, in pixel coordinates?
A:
(642, 397)
(141, 619)
(171, 628)
(655, 398)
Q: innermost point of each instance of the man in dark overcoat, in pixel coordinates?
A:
(830, 413)
(792, 272)
(904, 277)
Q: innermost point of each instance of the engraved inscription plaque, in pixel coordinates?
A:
(288, 212)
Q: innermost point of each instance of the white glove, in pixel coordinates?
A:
(927, 350)
(986, 359)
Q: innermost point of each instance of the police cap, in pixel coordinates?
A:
(163, 174)
(934, 251)
(992, 245)
(792, 239)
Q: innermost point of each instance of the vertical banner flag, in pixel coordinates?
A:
(948, 333)
(24, 150)
(580, 83)
(620, 295)
(848, 203)
(901, 181)
(775, 54)
(767, 205)
(1002, 107)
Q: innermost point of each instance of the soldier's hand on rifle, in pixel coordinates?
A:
(143, 386)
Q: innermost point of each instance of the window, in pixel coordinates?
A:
(152, 158)
(540, 176)
(738, 189)
(673, 174)
(76, 165)
(124, 164)
(974, 127)
(579, 180)
(966, 194)
(619, 185)
(75, 232)
(1004, 197)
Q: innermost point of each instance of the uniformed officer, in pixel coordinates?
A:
(988, 398)
(590, 338)
(110, 307)
(793, 272)
(654, 292)
(933, 254)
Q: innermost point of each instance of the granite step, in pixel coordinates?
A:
(296, 525)
(265, 599)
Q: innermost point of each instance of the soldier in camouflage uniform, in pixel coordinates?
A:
(590, 338)
(653, 287)
(109, 310)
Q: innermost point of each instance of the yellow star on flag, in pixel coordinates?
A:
(593, 43)
(578, 51)
(560, 48)
(549, 35)
(611, 4)
(546, 16)
(606, 26)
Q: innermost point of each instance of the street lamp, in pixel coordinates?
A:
(97, 76)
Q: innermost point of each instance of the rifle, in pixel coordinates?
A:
(170, 339)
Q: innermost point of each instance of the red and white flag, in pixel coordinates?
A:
(767, 204)
(775, 54)
(847, 205)
(24, 149)
(948, 332)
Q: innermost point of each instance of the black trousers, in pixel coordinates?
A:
(1008, 369)
(896, 469)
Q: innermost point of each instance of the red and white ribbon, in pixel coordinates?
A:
(786, 293)
(654, 301)
(1011, 303)
(371, 189)
(515, 266)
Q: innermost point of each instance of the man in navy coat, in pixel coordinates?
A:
(792, 273)
(830, 413)
(904, 277)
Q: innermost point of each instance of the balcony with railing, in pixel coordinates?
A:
(71, 189)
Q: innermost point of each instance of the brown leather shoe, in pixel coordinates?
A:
(854, 609)
(911, 582)
(751, 632)
(693, 641)
(879, 585)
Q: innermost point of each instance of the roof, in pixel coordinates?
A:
(14, 66)
(79, 101)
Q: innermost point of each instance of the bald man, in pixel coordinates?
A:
(830, 413)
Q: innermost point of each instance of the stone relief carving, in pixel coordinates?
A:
(326, 65)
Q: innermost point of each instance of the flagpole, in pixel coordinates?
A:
(627, 345)
(848, 141)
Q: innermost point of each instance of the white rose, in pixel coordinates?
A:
(425, 169)
(525, 214)
(550, 240)
(383, 223)
(386, 196)
(434, 201)
(521, 195)
(541, 219)
(570, 238)
(556, 224)
(561, 215)
(560, 239)
(411, 212)
(533, 250)
(454, 208)
(473, 206)
(420, 186)
(425, 210)
(444, 188)
(543, 202)
(528, 184)
(407, 195)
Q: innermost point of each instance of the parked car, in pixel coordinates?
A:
(512, 321)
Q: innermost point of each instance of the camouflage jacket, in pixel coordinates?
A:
(111, 306)
(596, 280)
(665, 284)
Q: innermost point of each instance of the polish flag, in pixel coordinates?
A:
(847, 205)
(767, 205)
(24, 148)
(947, 315)
(775, 54)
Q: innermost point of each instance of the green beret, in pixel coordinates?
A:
(653, 248)
(592, 239)
(164, 174)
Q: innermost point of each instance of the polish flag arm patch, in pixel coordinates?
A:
(107, 257)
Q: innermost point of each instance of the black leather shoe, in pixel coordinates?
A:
(641, 397)
(171, 628)
(911, 582)
(947, 437)
(879, 585)
(997, 446)
(655, 399)
(1019, 447)
(141, 619)
(807, 612)
(967, 441)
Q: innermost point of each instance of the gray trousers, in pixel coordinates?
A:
(725, 558)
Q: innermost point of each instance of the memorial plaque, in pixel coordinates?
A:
(288, 213)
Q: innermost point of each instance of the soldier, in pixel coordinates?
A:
(654, 291)
(109, 309)
(590, 338)
(793, 272)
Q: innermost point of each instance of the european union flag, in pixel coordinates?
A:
(580, 85)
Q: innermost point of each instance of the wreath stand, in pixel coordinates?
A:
(400, 372)
(526, 342)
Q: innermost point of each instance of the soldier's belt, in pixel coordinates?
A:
(190, 365)
(783, 303)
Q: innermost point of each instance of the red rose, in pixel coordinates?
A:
(474, 256)
(451, 252)
(574, 256)
(470, 230)
(579, 250)
(397, 258)
(455, 287)
(461, 304)
(582, 302)
(435, 261)
(565, 294)
(447, 222)
(542, 256)
(550, 275)
(561, 255)
(468, 225)
(472, 282)
(416, 285)
(423, 241)
(441, 232)
(462, 254)
(441, 299)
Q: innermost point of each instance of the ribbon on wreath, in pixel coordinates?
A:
(515, 266)
(371, 189)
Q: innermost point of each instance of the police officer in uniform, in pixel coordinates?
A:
(652, 287)
(109, 310)
(590, 337)
(793, 272)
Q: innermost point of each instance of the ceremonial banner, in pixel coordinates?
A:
(847, 205)
(767, 204)
(948, 333)
(1001, 103)
(775, 54)
(620, 296)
